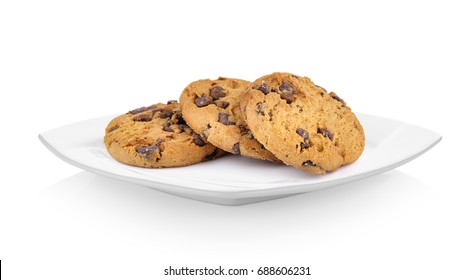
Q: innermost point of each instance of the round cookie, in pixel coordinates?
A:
(156, 136)
(302, 124)
(212, 108)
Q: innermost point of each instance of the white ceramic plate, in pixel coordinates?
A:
(236, 180)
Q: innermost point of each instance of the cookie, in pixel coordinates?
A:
(212, 108)
(302, 124)
(156, 136)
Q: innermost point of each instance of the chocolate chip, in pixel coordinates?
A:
(141, 109)
(167, 127)
(157, 111)
(203, 101)
(317, 86)
(264, 88)
(198, 140)
(335, 96)
(171, 101)
(179, 119)
(289, 97)
(287, 91)
(166, 114)
(287, 87)
(304, 145)
(308, 163)
(147, 151)
(217, 92)
(303, 133)
(223, 118)
(325, 132)
(259, 108)
(245, 131)
(236, 148)
(143, 118)
(212, 155)
(183, 127)
(222, 104)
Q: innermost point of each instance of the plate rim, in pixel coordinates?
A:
(232, 192)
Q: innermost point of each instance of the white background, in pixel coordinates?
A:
(67, 61)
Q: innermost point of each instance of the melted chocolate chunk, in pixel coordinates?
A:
(303, 133)
(245, 131)
(222, 104)
(198, 140)
(147, 151)
(325, 132)
(179, 118)
(141, 109)
(335, 96)
(236, 148)
(166, 114)
(264, 88)
(304, 145)
(223, 118)
(171, 101)
(167, 127)
(217, 92)
(157, 111)
(287, 91)
(183, 127)
(287, 87)
(317, 86)
(203, 101)
(259, 109)
(289, 97)
(143, 118)
(212, 155)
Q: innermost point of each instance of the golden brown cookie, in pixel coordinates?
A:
(212, 108)
(156, 136)
(302, 124)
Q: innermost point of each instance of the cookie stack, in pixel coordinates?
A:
(280, 117)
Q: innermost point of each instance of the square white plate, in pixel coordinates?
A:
(236, 180)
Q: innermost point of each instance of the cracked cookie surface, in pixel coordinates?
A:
(156, 136)
(302, 124)
(212, 108)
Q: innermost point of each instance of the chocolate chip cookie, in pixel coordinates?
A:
(302, 124)
(212, 108)
(156, 136)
